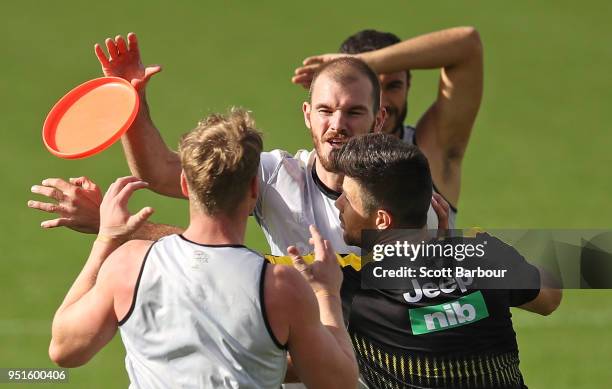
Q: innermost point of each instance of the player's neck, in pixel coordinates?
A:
(217, 229)
(331, 180)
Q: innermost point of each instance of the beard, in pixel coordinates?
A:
(329, 161)
(399, 116)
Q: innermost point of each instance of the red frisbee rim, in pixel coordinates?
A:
(60, 108)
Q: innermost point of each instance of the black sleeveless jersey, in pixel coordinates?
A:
(443, 336)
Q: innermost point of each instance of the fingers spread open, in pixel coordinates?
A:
(84, 182)
(121, 45)
(51, 192)
(59, 222)
(112, 48)
(132, 42)
(151, 70)
(57, 183)
(47, 207)
(118, 185)
(129, 188)
(138, 219)
(101, 56)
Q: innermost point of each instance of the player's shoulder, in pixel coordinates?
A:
(272, 162)
(409, 134)
(278, 156)
(135, 246)
(125, 259)
(287, 285)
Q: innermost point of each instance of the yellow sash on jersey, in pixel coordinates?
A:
(352, 260)
(344, 260)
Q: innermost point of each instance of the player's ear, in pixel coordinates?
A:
(384, 219)
(254, 187)
(379, 121)
(306, 107)
(184, 186)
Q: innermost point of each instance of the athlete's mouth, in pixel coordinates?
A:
(336, 143)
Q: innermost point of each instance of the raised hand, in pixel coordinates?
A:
(442, 208)
(324, 274)
(124, 61)
(303, 74)
(116, 221)
(78, 203)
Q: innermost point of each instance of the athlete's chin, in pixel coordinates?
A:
(351, 240)
(389, 128)
(327, 158)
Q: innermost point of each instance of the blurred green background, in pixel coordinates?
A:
(539, 154)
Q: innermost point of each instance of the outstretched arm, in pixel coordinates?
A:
(148, 156)
(86, 320)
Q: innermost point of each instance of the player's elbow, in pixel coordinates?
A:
(554, 300)
(550, 302)
(60, 355)
(473, 43)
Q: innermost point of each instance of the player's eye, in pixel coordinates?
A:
(394, 86)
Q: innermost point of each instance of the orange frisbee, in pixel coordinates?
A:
(90, 118)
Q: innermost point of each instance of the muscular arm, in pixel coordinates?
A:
(87, 318)
(549, 297)
(312, 327)
(148, 157)
(85, 321)
(443, 131)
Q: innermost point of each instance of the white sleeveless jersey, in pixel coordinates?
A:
(198, 320)
(291, 198)
(409, 136)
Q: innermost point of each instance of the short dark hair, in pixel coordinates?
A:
(393, 175)
(345, 70)
(369, 40)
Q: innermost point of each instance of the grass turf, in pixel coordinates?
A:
(537, 157)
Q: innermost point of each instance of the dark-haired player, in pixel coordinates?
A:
(442, 133)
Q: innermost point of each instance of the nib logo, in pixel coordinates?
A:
(462, 311)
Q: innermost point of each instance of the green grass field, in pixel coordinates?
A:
(538, 157)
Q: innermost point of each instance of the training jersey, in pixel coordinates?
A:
(291, 197)
(408, 135)
(198, 320)
(443, 336)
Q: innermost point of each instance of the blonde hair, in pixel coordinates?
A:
(220, 157)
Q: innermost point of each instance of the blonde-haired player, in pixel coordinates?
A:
(200, 309)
